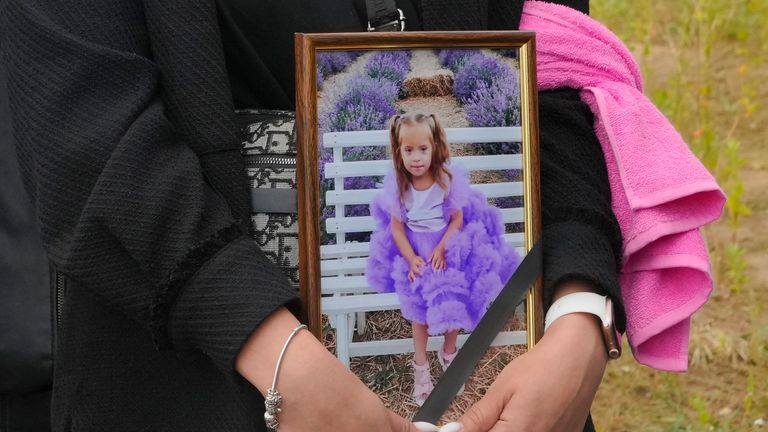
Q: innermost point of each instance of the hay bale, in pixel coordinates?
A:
(430, 86)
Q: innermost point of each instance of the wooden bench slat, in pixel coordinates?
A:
(366, 223)
(344, 250)
(361, 248)
(365, 196)
(380, 167)
(348, 266)
(361, 302)
(453, 135)
(345, 285)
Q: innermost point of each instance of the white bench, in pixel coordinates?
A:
(346, 294)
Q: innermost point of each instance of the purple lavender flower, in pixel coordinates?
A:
(331, 62)
(477, 69)
(368, 108)
(495, 104)
(363, 83)
(391, 65)
(454, 59)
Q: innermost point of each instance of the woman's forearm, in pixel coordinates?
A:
(311, 381)
(258, 356)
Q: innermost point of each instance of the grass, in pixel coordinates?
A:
(704, 66)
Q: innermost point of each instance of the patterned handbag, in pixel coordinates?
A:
(269, 149)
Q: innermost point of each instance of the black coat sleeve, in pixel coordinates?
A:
(119, 175)
(581, 235)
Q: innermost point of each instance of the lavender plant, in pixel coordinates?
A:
(477, 69)
(364, 83)
(363, 110)
(497, 104)
(390, 65)
(454, 59)
(331, 62)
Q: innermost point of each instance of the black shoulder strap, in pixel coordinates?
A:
(383, 15)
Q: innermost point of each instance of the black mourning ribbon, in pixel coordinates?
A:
(480, 339)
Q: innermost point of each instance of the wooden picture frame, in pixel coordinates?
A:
(309, 47)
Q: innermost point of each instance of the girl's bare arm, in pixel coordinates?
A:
(403, 245)
(457, 221)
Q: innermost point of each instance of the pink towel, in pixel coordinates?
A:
(661, 193)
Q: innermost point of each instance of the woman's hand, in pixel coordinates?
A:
(549, 388)
(437, 258)
(416, 263)
(319, 393)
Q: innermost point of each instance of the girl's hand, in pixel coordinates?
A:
(417, 263)
(549, 388)
(437, 259)
(319, 393)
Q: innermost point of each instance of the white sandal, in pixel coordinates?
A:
(445, 360)
(422, 382)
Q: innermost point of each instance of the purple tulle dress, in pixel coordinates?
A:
(479, 261)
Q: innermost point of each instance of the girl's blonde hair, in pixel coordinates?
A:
(440, 150)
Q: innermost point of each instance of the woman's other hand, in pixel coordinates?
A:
(437, 259)
(319, 393)
(416, 263)
(550, 387)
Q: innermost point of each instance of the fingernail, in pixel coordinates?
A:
(426, 427)
(452, 427)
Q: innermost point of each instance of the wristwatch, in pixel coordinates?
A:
(588, 302)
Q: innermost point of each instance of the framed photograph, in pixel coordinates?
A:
(418, 176)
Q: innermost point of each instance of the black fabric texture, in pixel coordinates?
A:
(25, 412)
(26, 331)
(128, 146)
(123, 116)
(454, 14)
(582, 239)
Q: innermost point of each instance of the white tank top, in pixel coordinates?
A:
(424, 209)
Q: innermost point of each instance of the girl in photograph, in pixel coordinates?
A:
(437, 243)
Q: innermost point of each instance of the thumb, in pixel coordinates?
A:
(399, 424)
(482, 416)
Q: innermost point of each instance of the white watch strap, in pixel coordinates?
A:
(576, 302)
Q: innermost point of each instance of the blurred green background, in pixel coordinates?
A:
(704, 65)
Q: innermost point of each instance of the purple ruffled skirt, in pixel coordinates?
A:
(478, 264)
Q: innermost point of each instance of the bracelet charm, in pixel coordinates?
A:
(273, 399)
(272, 404)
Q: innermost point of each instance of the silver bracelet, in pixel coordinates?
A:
(273, 399)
